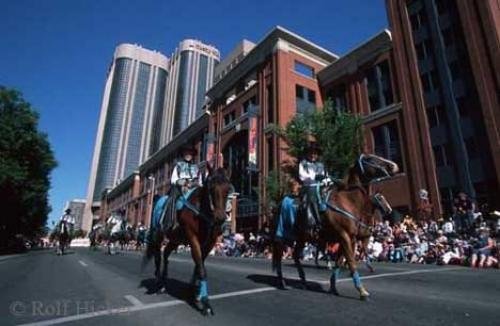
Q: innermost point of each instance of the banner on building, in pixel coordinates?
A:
(252, 143)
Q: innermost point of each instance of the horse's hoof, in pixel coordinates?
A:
(363, 294)
(206, 308)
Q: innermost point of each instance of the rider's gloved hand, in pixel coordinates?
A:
(326, 182)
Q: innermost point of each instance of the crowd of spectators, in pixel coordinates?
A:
(465, 238)
(436, 242)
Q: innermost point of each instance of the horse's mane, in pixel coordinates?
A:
(352, 181)
(219, 176)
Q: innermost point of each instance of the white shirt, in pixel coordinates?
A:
(448, 227)
(309, 170)
(68, 218)
(185, 170)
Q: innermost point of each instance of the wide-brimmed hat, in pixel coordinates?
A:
(68, 210)
(188, 149)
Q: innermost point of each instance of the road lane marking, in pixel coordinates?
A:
(139, 308)
(213, 297)
(421, 271)
(133, 300)
(84, 264)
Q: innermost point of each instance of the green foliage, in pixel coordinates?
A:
(274, 188)
(26, 161)
(338, 133)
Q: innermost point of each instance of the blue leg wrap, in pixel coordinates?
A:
(335, 276)
(203, 289)
(356, 279)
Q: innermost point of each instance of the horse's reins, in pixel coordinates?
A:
(350, 215)
(362, 162)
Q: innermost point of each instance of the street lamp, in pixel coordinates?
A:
(151, 178)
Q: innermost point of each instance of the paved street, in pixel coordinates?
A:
(86, 287)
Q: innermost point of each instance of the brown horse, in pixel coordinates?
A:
(349, 217)
(63, 235)
(200, 223)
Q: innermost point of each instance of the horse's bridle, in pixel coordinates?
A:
(362, 162)
(378, 199)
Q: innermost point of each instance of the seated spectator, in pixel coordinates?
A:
(448, 228)
(483, 248)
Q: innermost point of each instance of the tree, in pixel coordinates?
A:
(26, 161)
(338, 133)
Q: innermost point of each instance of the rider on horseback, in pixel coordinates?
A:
(68, 218)
(185, 178)
(312, 172)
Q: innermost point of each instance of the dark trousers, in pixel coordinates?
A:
(310, 206)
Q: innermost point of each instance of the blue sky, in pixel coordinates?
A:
(57, 53)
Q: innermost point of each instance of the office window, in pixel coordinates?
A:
(436, 116)
(443, 155)
(462, 107)
(448, 38)
(424, 49)
(426, 84)
(387, 144)
(304, 69)
(419, 48)
(338, 97)
(418, 20)
(441, 6)
(305, 99)
(229, 117)
(438, 156)
(472, 149)
(249, 103)
(455, 70)
(270, 104)
(379, 87)
(435, 80)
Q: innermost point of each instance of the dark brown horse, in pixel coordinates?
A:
(349, 217)
(200, 223)
(63, 235)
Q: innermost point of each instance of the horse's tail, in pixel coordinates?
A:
(153, 245)
(154, 238)
(277, 247)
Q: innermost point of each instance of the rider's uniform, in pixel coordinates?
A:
(186, 173)
(311, 174)
(113, 219)
(68, 219)
(185, 177)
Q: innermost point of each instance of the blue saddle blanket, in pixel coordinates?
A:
(161, 205)
(285, 227)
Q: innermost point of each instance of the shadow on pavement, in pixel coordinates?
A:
(293, 283)
(180, 290)
(306, 266)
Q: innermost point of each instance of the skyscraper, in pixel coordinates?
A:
(130, 119)
(191, 70)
